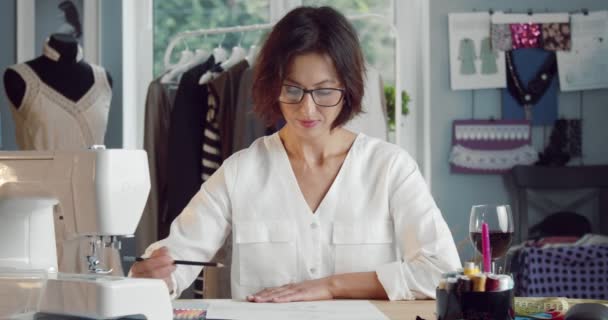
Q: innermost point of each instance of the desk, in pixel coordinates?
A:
(407, 310)
(398, 310)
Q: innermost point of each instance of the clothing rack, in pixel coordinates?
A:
(175, 40)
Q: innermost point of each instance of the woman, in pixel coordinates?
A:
(316, 211)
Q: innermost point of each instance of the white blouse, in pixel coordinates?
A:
(378, 215)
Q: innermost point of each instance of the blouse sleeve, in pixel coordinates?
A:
(423, 237)
(201, 228)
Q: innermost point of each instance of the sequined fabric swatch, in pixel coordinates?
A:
(526, 35)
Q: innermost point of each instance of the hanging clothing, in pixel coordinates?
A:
(488, 57)
(47, 120)
(212, 146)
(216, 147)
(247, 125)
(467, 56)
(393, 222)
(185, 143)
(373, 121)
(159, 104)
(226, 86)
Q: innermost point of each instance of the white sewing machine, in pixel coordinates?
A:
(97, 193)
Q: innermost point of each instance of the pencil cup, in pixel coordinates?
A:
(455, 305)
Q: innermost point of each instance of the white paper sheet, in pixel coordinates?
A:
(474, 27)
(585, 66)
(326, 310)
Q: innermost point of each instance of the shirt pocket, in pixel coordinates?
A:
(267, 253)
(361, 247)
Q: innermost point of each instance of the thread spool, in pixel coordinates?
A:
(479, 282)
(492, 283)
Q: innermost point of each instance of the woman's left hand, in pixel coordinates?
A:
(319, 289)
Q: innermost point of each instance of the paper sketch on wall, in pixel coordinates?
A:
(474, 64)
(585, 67)
(490, 146)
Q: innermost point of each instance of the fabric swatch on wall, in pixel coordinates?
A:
(556, 36)
(501, 37)
(526, 35)
(490, 146)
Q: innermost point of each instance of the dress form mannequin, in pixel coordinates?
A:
(58, 101)
(68, 76)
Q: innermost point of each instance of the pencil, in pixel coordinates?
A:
(185, 262)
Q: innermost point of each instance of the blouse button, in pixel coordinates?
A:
(314, 225)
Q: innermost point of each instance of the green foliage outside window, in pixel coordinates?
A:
(389, 94)
(174, 16)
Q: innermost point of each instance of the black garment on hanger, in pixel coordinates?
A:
(69, 77)
(185, 144)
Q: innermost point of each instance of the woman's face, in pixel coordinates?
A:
(307, 119)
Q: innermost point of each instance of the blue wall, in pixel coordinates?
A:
(111, 59)
(8, 55)
(456, 193)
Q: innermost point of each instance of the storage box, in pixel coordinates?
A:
(455, 305)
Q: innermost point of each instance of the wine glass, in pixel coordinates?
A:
(500, 225)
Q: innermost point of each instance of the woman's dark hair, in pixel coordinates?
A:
(309, 30)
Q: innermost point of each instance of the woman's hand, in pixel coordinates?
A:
(158, 266)
(319, 289)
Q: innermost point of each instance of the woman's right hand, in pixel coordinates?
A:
(158, 266)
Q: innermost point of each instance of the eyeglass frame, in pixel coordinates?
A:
(310, 91)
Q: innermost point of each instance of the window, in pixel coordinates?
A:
(375, 34)
(174, 16)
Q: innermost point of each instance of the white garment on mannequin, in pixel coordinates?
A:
(47, 120)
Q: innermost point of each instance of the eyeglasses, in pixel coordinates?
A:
(323, 97)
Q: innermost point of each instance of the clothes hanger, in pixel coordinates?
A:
(252, 54)
(238, 54)
(220, 55)
(186, 56)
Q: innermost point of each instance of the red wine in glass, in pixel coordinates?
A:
(499, 242)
